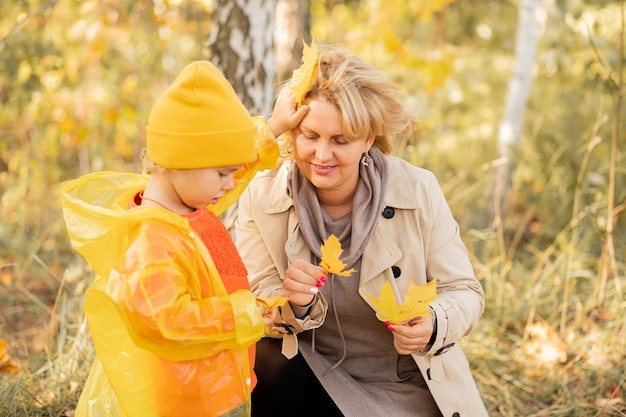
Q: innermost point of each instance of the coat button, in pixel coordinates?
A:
(456, 414)
(388, 212)
(396, 271)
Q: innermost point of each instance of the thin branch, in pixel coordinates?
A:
(28, 15)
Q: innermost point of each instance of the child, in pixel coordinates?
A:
(170, 312)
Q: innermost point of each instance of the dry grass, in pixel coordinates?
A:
(546, 345)
(49, 339)
(534, 353)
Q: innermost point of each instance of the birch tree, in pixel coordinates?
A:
(293, 25)
(516, 100)
(241, 43)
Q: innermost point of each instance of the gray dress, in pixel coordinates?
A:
(353, 355)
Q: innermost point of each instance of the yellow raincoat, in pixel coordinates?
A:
(169, 339)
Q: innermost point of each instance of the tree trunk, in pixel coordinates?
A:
(241, 43)
(293, 25)
(516, 101)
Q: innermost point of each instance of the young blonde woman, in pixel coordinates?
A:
(394, 226)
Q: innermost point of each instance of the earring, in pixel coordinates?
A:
(365, 159)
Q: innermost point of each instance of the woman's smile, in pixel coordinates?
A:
(322, 169)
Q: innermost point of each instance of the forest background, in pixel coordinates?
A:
(78, 78)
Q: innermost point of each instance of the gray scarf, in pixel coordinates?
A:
(366, 207)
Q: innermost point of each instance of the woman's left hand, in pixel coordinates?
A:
(411, 336)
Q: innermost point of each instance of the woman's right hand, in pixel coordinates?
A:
(302, 281)
(286, 115)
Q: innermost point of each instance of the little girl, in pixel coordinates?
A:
(172, 318)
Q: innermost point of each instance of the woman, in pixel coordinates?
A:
(394, 226)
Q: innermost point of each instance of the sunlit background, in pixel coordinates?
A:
(78, 78)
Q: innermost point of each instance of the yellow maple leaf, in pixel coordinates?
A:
(271, 303)
(331, 251)
(416, 302)
(303, 77)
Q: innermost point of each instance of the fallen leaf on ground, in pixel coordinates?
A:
(6, 364)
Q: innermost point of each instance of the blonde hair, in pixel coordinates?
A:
(148, 165)
(370, 103)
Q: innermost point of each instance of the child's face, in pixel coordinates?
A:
(197, 188)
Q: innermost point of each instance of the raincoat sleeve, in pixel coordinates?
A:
(170, 307)
(267, 151)
(158, 276)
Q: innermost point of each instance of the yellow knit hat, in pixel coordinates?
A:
(199, 122)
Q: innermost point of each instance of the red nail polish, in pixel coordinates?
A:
(387, 323)
(390, 328)
(323, 279)
(319, 284)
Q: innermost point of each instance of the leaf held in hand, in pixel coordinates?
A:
(271, 303)
(303, 77)
(331, 251)
(416, 302)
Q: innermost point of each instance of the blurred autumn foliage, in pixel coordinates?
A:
(77, 79)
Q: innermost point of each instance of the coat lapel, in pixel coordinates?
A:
(380, 254)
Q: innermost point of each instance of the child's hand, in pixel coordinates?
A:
(268, 317)
(278, 325)
(286, 116)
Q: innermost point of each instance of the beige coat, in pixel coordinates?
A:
(416, 238)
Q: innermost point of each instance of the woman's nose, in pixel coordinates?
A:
(323, 151)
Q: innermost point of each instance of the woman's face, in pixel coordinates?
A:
(324, 156)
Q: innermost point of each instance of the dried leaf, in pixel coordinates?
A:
(303, 77)
(544, 347)
(331, 251)
(6, 364)
(7, 273)
(416, 302)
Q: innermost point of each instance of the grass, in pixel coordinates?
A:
(534, 353)
(551, 341)
(49, 339)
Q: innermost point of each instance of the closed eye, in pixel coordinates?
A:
(226, 174)
(310, 136)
